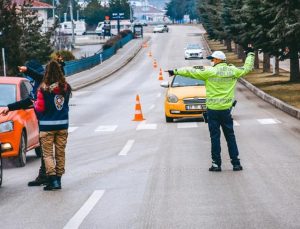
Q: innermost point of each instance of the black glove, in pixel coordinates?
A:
(249, 49)
(171, 72)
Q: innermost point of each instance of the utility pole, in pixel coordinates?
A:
(72, 21)
(3, 58)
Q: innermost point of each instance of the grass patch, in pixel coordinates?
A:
(278, 86)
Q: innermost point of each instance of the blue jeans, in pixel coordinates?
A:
(217, 118)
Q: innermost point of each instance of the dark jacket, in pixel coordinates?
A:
(52, 107)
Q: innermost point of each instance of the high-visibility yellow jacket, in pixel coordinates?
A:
(220, 81)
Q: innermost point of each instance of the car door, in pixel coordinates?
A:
(30, 120)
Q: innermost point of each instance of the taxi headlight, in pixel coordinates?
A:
(6, 126)
(172, 98)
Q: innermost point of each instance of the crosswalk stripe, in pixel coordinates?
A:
(106, 128)
(268, 121)
(187, 125)
(235, 123)
(72, 129)
(145, 126)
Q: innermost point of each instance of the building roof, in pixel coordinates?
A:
(147, 10)
(36, 4)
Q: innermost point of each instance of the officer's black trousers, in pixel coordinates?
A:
(223, 119)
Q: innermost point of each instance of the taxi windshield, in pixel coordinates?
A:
(180, 81)
(7, 94)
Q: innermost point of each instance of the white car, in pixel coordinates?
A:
(193, 51)
(161, 29)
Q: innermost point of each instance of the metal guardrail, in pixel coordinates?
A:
(75, 66)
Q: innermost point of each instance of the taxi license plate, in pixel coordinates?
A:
(194, 107)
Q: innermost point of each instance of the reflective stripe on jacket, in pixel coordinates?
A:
(220, 81)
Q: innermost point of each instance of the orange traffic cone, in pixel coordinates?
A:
(150, 54)
(160, 76)
(145, 45)
(154, 64)
(138, 110)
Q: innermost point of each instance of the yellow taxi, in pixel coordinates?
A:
(185, 98)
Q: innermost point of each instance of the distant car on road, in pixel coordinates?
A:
(19, 131)
(193, 51)
(161, 29)
(185, 98)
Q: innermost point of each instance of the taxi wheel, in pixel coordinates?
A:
(21, 159)
(1, 170)
(168, 119)
(38, 151)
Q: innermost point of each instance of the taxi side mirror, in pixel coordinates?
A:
(165, 84)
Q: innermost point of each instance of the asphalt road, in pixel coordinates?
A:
(125, 174)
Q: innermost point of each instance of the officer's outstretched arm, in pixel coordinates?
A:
(248, 66)
(194, 73)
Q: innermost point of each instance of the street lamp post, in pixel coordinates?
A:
(3, 58)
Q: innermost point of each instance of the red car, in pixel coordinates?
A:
(19, 131)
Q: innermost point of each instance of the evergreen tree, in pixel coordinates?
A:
(94, 12)
(34, 44)
(285, 31)
(11, 31)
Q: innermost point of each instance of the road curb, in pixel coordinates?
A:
(272, 100)
(114, 70)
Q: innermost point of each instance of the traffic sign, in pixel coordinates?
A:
(118, 15)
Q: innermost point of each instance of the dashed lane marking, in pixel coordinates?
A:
(158, 95)
(268, 121)
(126, 148)
(187, 125)
(72, 129)
(106, 128)
(80, 215)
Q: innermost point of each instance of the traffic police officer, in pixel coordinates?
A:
(220, 81)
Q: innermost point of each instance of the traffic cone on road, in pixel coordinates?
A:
(160, 76)
(145, 45)
(138, 110)
(154, 64)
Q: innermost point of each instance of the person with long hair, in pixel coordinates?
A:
(52, 107)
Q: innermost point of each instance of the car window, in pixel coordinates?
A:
(180, 81)
(24, 91)
(8, 94)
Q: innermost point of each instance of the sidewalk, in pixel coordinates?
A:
(108, 67)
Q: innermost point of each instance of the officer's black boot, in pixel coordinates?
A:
(40, 180)
(215, 168)
(58, 178)
(52, 185)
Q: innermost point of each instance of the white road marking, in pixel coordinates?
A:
(106, 128)
(268, 121)
(78, 93)
(235, 123)
(80, 215)
(158, 95)
(187, 125)
(145, 126)
(72, 129)
(126, 148)
(151, 107)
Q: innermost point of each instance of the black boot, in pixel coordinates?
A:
(40, 180)
(237, 168)
(52, 185)
(215, 168)
(58, 178)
